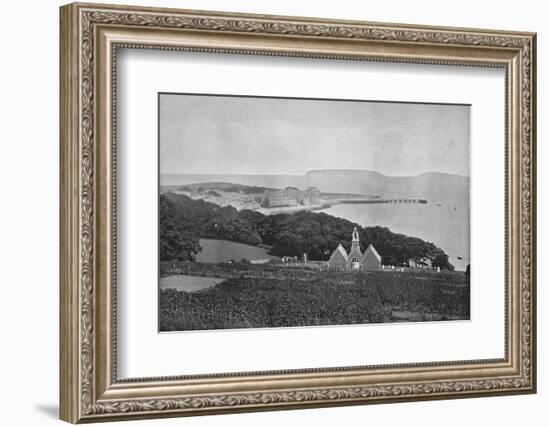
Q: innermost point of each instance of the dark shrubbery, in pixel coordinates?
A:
(177, 242)
(184, 220)
(254, 303)
(253, 297)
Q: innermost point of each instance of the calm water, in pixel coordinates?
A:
(447, 226)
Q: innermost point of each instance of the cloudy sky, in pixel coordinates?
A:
(239, 135)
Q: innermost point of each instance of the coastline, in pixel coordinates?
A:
(331, 203)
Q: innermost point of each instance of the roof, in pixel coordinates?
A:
(340, 249)
(371, 249)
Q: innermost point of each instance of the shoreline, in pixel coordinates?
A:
(336, 202)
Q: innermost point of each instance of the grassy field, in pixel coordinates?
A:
(182, 282)
(222, 251)
(274, 296)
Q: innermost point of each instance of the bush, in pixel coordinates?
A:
(273, 296)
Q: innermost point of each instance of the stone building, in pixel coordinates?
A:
(309, 197)
(355, 260)
(280, 198)
(291, 197)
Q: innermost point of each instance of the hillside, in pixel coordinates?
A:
(270, 181)
(215, 185)
(249, 296)
(435, 187)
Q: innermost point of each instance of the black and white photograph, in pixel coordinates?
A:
(290, 212)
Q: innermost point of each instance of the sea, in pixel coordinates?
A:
(445, 225)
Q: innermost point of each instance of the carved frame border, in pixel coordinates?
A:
(81, 397)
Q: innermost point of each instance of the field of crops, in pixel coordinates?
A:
(275, 296)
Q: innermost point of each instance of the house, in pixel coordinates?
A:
(309, 197)
(371, 259)
(423, 262)
(339, 259)
(355, 260)
(280, 198)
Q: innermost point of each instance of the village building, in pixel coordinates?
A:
(309, 197)
(423, 262)
(280, 198)
(355, 259)
(291, 197)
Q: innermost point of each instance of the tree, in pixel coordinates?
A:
(176, 242)
(176, 245)
(441, 260)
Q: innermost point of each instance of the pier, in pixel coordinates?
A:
(373, 201)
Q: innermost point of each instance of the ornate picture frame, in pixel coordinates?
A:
(90, 37)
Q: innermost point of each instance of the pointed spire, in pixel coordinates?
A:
(355, 235)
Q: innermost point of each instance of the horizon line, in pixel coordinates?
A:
(314, 170)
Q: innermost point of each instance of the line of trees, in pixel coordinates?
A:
(183, 221)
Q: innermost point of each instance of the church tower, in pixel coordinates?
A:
(355, 254)
(355, 239)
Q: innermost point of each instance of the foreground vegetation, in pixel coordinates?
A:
(275, 296)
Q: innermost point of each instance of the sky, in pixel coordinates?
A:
(253, 135)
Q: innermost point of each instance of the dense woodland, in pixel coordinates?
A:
(183, 221)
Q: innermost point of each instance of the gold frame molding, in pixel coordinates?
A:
(90, 36)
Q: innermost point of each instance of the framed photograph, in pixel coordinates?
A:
(266, 212)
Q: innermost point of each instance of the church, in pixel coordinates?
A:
(355, 260)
